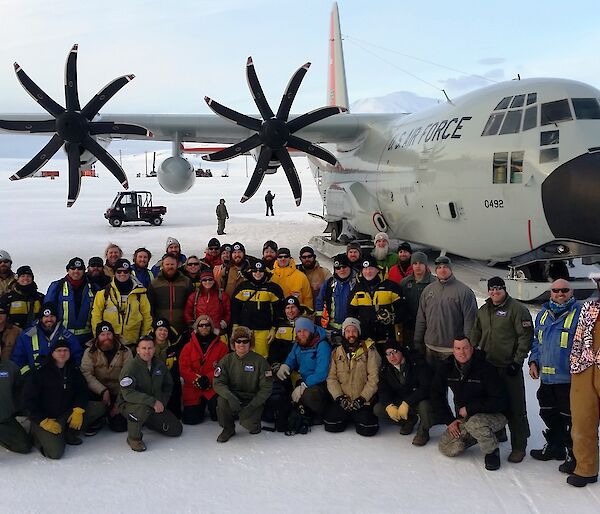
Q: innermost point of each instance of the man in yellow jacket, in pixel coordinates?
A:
(291, 280)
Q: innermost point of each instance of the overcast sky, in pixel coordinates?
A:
(181, 51)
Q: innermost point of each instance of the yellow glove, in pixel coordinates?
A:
(75, 420)
(403, 410)
(51, 425)
(392, 412)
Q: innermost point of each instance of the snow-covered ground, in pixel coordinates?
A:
(317, 472)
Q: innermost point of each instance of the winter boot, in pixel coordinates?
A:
(550, 450)
(579, 481)
(72, 438)
(226, 434)
(492, 460)
(501, 435)
(568, 466)
(407, 426)
(137, 445)
(516, 456)
(422, 437)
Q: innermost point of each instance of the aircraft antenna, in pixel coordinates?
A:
(447, 97)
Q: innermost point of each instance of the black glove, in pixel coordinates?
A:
(512, 369)
(359, 403)
(202, 382)
(344, 402)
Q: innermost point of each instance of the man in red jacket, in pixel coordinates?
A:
(197, 363)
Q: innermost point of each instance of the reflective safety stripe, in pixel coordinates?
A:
(564, 339)
(548, 370)
(564, 336)
(65, 293)
(35, 346)
(25, 369)
(80, 331)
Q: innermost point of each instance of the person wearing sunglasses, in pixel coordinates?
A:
(193, 268)
(197, 363)
(291, 280)
(95, 274)
(7, 275)
(208, 299)
(503, 329)
(212, 254)
(316, 274)
(124, 304)
(243, 381)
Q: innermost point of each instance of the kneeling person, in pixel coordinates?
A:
(146, 387)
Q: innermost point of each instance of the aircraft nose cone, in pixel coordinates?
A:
(571, 199)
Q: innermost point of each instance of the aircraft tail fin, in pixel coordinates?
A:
(337, 91)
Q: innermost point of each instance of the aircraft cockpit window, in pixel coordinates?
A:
(555, 112)
(503, 103)
(530, 119)
(512, 122)
(516, 167)
(548, 155)
(586, 108)
(518, 101)
(531, 98)
(493, 124)
(549, 137)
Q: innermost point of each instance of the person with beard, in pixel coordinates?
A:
(381, 252)
(101, 366)
(173, 248)
(197, 363)
(7, 276)
(269, 255)
(24, 302)
(403, 268)
(354, 254)
(212, 255)
(291, 280)
(112, 254)
(229, 275)
(193, 269)
(168, 293)
(554, 333)
(332, 301)
(257, 304)
(55, 397)
(310, 357)
(8, 333)
(124, 304)
(315, 273)
(225, 254)
(352, 382)
(95, 275)
(140, 266)
(34, 343)
(74, 298)
(377, 303)
(210, 300)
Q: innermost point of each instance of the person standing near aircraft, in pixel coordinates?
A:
(291, 280)
(381, 252)
(222, 215)
(354, 254)
(315, 273)
(269, 197)
(403, 268)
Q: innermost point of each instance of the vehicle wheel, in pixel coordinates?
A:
(115, 222)
(156, 221)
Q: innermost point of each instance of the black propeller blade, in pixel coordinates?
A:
(274, 134)
(73, 126)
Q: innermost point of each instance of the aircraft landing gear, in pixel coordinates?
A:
(540, 271)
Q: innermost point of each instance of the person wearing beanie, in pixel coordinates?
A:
(101, 366)
(95, 274)
(209, 300)
(8, 333)
(225, 254)
(331, 304)
(447, 307)
(269, 254)
(222, 215)
(269, 197)
(355, 254)
(310, 357)
(352, 382)
(230, 275)
(285, 333)
(377, 303)
(212, 255)
(55, 399)
(7, 275)
(243, 382)
(403, 395)
(197, 363)
(140, 266)
(74, 297)
(403, 268)
(146, 386)
(381, 251)
(554, 336)
(257, 304)
(315, 273)
(124, 303)
(291, 280)
(112, 254)
(24, 301)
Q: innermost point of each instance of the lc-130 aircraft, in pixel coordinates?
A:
(507, 173)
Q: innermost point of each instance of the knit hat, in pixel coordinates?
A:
(225, 247)
(172, 241)
(284, 251)
(144, 250)
(405, 246)
(354, 245)
(443, 259)
(392, 344)
(49, 309)
(292, 300)
(303, 323)
(258, 265)
(5, 256)
(419, 257)
(203, 318)
(104, 326)
(76, 263)
(270, 244)
(96, 262)
(306, 249)
(161, 322)
(381, 236)
(214, 243)
(123, 264)
(206, 273)
(340, 260)
(237, 246)
(61, 343)
(496, 282)
(351, 322)
(369, 262)
(24, 270)
(242, 332)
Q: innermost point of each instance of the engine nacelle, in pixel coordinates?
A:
(176, 175)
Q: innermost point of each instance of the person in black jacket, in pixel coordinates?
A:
(404, 387)
(479, 400)
(55, 397)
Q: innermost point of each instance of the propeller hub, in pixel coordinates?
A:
(274, 133)
(72, 126)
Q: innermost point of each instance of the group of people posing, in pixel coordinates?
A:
(278, 346)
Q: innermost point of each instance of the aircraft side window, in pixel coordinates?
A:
(499, 168)
(503, 104)
(516, 167)
(530, 118)
(518, 101)
(555, 112)
(512, 122)
(548, 155)
(586, 108)
(549, 137)
(531, 98)
(493, 124)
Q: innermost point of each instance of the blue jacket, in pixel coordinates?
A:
(312, 363)
(334, 295)
(33, 343)
(144, 275)
(62, 294)
(552, 343)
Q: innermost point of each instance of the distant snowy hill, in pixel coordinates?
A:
(400, 101)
